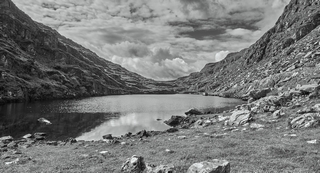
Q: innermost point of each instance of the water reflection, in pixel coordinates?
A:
(91, 118)
(133, 122)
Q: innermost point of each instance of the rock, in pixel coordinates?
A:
(108, 136)
(54, 143)
(174, 121)
(312, 141)
(198, 123)
(274, 100)
(27, 136)
(17, 152)
(193, 111)
(6, 139)
(128, 135)
(269, 108)
(219, 135)
(240, 117)
(113, 141)
(207, 123)
(2, 145)
(291, 135)
(39, 136)
(278, 114)
(172, 130)
(44, 121)
(135, 164)
(307, 89)
(15, 161)
(305, 121)
(256, 126)
(169, 151)
(297, 105)
(104, 152)
(162, 169)
(142, 133)
(306, 110)
(214, 166)
(12, 144)
(316, 108)
(123, 143)
(182, 137)
(259, 93)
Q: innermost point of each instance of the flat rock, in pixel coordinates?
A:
(213, 166)
(160, 169)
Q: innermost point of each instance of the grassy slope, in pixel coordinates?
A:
(264, 151)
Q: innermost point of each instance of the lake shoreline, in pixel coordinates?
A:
(263, 137)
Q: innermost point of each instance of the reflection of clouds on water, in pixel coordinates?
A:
(132, 122)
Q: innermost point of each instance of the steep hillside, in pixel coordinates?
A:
(286, 56)
(36, 62)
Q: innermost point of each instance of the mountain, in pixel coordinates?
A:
(36, 62)
(286, 56)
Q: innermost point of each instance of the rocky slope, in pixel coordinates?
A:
(287, 56)
(36, 62)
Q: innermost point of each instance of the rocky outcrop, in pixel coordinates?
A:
(287, 55)
(240, 117)
(305, 121)
(36, 62)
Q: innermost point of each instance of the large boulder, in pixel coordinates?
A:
(214, 166)
(175, 121)
(259, 93)
(135, 164)
(240, 117)
(305, 121)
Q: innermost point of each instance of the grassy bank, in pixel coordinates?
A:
(268, 150)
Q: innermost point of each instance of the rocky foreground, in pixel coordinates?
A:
(276, 133)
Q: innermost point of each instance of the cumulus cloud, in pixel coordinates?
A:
(159, 39)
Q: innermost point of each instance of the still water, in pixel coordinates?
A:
(91, 118)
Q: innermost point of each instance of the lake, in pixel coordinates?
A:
(91, 118)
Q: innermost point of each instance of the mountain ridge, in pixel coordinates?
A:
(270, 61)
(36, 62)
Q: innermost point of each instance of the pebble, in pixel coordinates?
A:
(312, 141)
(291, 135)
(103, 152)
(12, 162)
(182, 137)
(169, 151)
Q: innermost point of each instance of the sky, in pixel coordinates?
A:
(159, 39)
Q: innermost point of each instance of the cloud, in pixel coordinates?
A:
(159, 39)
(221, 55)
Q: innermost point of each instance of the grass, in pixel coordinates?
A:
(264, 151)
